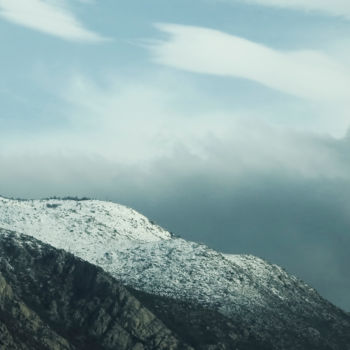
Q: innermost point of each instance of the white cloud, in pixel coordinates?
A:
(331, 7)
(306, 73)
(49, 16)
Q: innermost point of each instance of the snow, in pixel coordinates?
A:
(147, 257)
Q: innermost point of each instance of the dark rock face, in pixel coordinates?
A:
(200, 327)
(51, 300)
(203, 328)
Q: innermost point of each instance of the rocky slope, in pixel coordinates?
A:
(272, 306)
(50, 299)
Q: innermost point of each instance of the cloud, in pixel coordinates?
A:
(334, 7)
(307, 74)
(139, 120)
(50, 17)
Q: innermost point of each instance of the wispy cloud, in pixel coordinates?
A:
(51, 17)
(334, 7)
(305, 73)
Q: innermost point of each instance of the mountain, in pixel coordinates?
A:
(270, 306)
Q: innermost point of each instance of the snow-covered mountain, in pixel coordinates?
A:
(143, 255)
(146, 257)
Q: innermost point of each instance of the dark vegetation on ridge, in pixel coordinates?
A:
(68, 198)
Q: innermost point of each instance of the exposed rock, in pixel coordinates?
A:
(203, 328)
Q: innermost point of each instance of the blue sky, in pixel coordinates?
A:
(236, 107)
(109, 42)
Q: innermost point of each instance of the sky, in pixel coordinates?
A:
(225, 121)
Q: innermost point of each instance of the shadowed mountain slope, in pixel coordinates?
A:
(51, 300)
